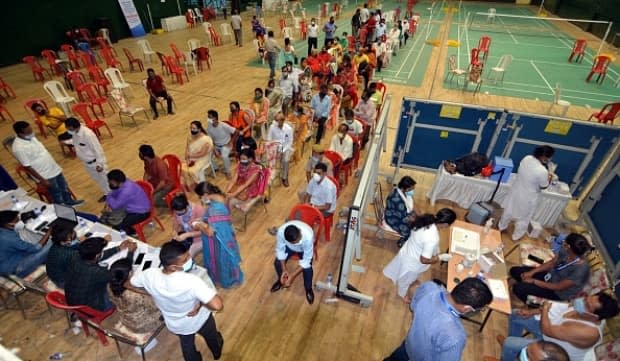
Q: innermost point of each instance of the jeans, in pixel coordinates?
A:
(30, 263)
(400, 354)
(238, 38)
(523, 289)
(153, 102)
(514, 342)
(272, 57)
(212, 337)
(60, 190)
(307, 272)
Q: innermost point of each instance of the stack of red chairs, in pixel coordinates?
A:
(36, 68)
(71, 54)
(483, 47)
(110, 59)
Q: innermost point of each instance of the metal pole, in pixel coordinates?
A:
(542, 3)
(148, 9)
(598, 52)
(179, 7)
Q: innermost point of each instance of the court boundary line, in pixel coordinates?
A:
(509, 32)
(541, 75)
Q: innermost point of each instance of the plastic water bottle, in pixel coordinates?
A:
(329, 280)
(14, 200)
(330, 287)
(82, 223)
(123, 235)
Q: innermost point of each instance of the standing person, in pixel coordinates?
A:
(522, 198)
(313, 36)
(220, 248)
(157, 173)
(185, 300)
(420, 251)
(294, 238)
(321, 104)
(282, 133)
(156, 88)
(364, 14)
(222, 134)
(128, 200)
(54, 119)
(39, 164)
(400, 209)
(356, 23)
(185, 214)
(90, 152)
(330, 31)
(272, 48)
(198, 152)
(236, 22)
(287, 85)
(436, 332)
(289, 51)
(18, 256)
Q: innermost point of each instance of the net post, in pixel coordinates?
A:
(600, 48)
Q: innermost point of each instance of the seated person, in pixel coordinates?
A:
(62, 254)
(321, 192)
(53, 118)
(156, 89)
(400, 209)
(577, 326)
(240, 120)
(247, 143)
(342, 143)
(17, 256)
(244, 186)
(128, 200)
(138, 313)
(294, 238)
(366, 109)
(260, 105)
(561, 278)
(375, 95)
(86, 282)
(316, 157)
(356, 128)
(539, 351)
(282, 133)
(197, 155)
(185, 213)
(156, 172)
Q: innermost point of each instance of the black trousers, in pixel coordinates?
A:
(320, 129)
(131, 219)
(153, 102)
(522, 289)
(313, 43)
(212, 337)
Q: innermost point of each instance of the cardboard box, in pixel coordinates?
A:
(500, 163)
(534, 229)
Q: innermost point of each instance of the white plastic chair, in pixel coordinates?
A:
(198, 15)
(146, 49)
(58, 93)
(125, 109)
(499, 70)
(453, 70)
(105, 34)
(226, 31)
(491, 15)
(193, 44)
(190, 60)
(206, 26)
(116, 79)
(557, 100)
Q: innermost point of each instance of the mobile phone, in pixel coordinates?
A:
(146, 266)
(139, 258)
(538, 260)
(41, 226)
(88, 234)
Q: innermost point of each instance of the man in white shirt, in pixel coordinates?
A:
(236, 23)
(342, 143)
(355, 126)
(321, 192)
(364, 14)
(287, 85)
(313, 36)
(366, 109)
(185, 300)
(282, 133)
(221, 133)
(39, 163)
(381, 29)
(294, 238)
(90, 152)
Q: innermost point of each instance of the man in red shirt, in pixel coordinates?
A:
(156, 172)
(157, 89)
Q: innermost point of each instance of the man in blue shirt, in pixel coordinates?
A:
(436, 332)
(330, 31)
(321, 104)
(19, 257)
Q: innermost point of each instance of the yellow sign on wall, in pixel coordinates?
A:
(450, 111)
(443, 134)
(560, 127)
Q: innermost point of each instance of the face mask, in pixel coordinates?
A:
(312, 23)
(72, 132)
(409, 193)
(523, 354)
(244, 162)
(187, 266)
(19, 226)
(316, 158)
(206, 202)
(258, 97)
(284, 76)
(579, 304)
(349, 121)
(29, 136)
(74, 242)
(181, 213)
(316, 177)
(194, 132)
(113, 187)
(342, 135)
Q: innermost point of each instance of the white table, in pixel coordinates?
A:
(174, 23)
(465, 191)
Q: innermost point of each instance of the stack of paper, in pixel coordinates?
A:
(498, 289)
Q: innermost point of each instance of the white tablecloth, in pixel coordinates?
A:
(465, 191)
(174, 23)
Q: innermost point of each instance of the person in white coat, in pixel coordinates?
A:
(420, 251)
(532, 177)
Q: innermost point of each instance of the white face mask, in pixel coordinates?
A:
(72, 132)
(187, 266)
(317, 178)
(29, 136)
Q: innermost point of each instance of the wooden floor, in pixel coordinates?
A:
(256, 324)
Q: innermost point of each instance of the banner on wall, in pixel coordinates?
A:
(132, 17)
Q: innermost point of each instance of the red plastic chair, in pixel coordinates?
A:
(57, 300)
(348, 169)
(178, 56)
(475, 53)
(35, 186)
(579, 49)
(164, 65)
(363, 35)
(36, 68)
(175, 69)
(7, 89)
(95, 73)
(303, 29)
(174, 169)
(607, 114)
(189, 18)
(336, 160)
(601, 63)
(483, 46)
(103, 44)
(4, 113)
(27, 107)
(148, 189)
(51, 58)
(329, 221)
(282, 24)
(87, 36)
(110, 59)
(77, 79)
(93, 122)
(203, 54)
(71, 54)
(88, 60)
(312, 217)
(94, 97)
(133, 61)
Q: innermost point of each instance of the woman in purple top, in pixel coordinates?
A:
(128, 197)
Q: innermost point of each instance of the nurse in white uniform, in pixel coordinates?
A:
(532, 177)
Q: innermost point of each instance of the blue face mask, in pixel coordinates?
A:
(523, 354)
(409, 193)
(187, 266)
(74, 242)
(579, 304)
